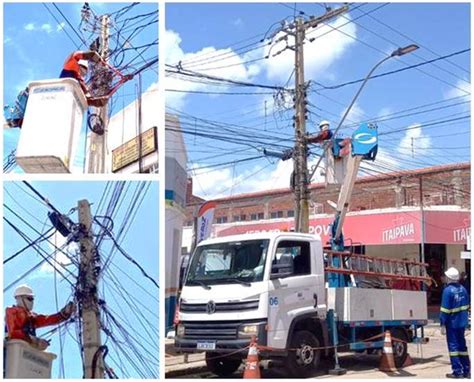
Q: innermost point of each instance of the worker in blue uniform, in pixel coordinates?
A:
(454, 320)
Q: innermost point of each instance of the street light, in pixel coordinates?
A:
(396, 53)
(405, 50)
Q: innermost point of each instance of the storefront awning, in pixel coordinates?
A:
(375, 228)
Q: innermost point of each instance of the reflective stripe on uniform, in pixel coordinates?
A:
(454, 310)
(458, 353)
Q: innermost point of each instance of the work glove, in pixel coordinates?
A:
(443, 330)
(98, 101)
(68, 310)
(39, 343)
(96, 57)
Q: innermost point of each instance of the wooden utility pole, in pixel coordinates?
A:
(98, 143)
(88, 296)
(301, 178)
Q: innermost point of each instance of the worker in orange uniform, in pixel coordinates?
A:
(76, 66)
(324, 134)
(22, 322)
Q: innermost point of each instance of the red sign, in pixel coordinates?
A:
(451, 227)
(448, 227)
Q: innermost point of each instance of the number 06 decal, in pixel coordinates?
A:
(273, 301)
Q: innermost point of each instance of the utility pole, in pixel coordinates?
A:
(300, 157)
(301, 179)
(98, 143)
(88, 296)
(422, 210)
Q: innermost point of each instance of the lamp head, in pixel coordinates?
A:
(405, 50)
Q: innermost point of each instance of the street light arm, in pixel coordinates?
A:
(350, 108)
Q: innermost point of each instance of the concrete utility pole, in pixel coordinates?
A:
(98, 143)
(88, 296)
(301, 179)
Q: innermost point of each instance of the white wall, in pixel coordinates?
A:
(123, 126)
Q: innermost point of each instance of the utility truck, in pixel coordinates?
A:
(300, 301)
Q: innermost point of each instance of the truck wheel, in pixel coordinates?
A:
(303, 361)
(400, 349)
(221, 365)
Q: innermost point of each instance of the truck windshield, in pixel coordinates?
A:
(223, 262)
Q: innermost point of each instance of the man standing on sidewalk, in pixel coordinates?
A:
(454, 320)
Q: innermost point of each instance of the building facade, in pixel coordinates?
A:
(422, 214)
(175, 212)
(131, 131)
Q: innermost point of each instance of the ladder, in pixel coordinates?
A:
(371, 266)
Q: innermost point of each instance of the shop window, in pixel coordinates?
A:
(221, 220)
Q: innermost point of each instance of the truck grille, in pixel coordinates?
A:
(220, 307)
(216, 330)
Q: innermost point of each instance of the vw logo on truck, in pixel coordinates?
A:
(211, 307)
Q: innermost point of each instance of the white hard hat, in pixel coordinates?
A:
(323, 123)
(452, 273)
(23, 290)
(83, 63)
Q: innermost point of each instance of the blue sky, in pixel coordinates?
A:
(36, 45)
(140, 241)
(425, 111)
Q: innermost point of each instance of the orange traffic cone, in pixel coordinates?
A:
(387, 362)
(252, 368)
(408, 361)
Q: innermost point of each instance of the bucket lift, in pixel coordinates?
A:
(342, 265)
(50, 114)
(24, 361)
(362, 146)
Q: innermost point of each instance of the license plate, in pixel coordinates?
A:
(206, 345)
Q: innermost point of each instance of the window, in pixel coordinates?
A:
(290, 213)
(189, 223)
(221, 220)
(276, 215)
(243, 217)
(258, 216)
(295, 254)
(228, 262)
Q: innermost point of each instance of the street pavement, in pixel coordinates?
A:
(430, 361)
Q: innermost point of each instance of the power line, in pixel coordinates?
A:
(332, 87)
(70, 25)
(59, 23)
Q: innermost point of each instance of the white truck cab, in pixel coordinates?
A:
(250, 285)
(272, 286)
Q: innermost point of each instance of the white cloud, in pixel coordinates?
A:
(227, 182)
(230, 65)
(29, 27)
(60, 257)
(463, 88)
(46, 28)
(414, 141)
(319, 55)
(7, 40)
